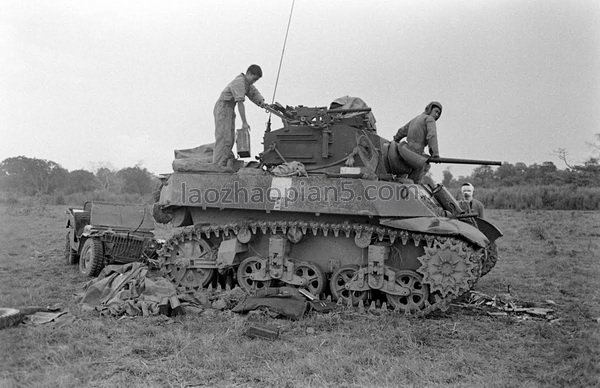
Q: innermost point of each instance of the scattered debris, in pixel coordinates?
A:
(262, 331)
(323, 306)
(219, 304)
(504, 306)
(29, 310)
(493, 314)
(126, 291)
(60, 318)
(34, 315)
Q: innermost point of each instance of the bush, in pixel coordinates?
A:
(548, 197)
(78, 199)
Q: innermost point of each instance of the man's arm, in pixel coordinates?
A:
(402, 133)
(431, 136)
(255, 96)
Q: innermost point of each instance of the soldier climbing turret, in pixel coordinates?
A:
(419, 132)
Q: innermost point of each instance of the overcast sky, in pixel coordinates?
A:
(90, 83)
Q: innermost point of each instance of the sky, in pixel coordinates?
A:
(90, 83)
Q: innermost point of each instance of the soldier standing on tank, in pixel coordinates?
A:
(420, 132)
(468, 203)
(234, 94)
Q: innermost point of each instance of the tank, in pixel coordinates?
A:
(326, 208)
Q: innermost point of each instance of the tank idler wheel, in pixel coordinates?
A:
(337, 285)
(70, 254)
(315, 278)
(189, 278)
(249, 267)
(419, 293)
(91, 260)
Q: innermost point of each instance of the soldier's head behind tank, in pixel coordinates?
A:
(254, 73)
(467, 190)
(430, 109)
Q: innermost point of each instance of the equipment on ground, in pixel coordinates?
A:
(103, 233)
(328, 210)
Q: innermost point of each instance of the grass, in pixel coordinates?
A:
(544, 255)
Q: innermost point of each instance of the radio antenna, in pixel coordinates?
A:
(280, 62)
(283, 51)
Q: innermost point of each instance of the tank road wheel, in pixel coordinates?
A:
(419, 293)
(339, 279)
(70, 254)
(315, 278)
(249, 267)
(91, 260)
(183, 249)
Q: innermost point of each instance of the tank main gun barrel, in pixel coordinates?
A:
(464, 161)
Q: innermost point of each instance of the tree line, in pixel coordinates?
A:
(519, 174)
(24, 176)
(537, 186)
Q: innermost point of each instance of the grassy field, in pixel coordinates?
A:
(544, 255)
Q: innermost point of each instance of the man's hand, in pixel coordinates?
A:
(246, 126)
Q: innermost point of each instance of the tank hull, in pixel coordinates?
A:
(313, 194)
(354, 239)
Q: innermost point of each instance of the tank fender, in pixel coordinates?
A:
(490, 230)
(442, 226)
(228, 249)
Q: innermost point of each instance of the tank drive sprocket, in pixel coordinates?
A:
(180, 256)
(448, 267)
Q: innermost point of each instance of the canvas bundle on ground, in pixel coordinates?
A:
(126, 290)
(285, 301)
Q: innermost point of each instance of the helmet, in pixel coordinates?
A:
(430, 106)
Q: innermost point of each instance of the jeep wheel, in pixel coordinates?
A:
(70, 254)
(91, 260)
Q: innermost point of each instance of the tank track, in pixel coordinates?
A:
(491, 257)
(378, 233)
